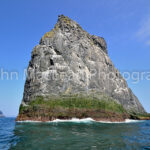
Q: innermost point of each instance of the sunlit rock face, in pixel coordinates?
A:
(69, 61)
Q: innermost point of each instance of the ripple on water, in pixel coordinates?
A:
(72, 135)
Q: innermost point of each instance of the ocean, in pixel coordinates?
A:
(77, 134)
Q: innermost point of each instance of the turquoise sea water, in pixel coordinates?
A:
(86, 135)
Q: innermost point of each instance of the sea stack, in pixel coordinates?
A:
(1, 114)
(68, 62)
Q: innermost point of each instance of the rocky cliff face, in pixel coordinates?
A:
(69, 61)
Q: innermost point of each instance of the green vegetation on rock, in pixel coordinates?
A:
(75, 103)
(79, 102)
(77, 106)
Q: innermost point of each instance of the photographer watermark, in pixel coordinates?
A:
(83, 75)
(8, 75)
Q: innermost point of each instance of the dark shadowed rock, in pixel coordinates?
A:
(1, 114)
(70, 61)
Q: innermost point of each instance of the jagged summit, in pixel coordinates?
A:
(64, 21)
(69, 61)
(69, 27)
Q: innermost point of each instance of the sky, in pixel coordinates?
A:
(124, 24)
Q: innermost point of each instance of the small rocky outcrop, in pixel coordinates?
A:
(69, 61)
(1, 114)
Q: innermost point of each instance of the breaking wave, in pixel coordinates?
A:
(85, 120)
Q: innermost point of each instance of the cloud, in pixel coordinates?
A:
(144, 31)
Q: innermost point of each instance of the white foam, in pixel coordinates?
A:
(76, 120)
(30, 121)
(126, 121)
(85, 120)
(133, 121)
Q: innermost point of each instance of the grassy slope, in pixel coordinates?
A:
(66, 108)
(77, 106)
(75, 102)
